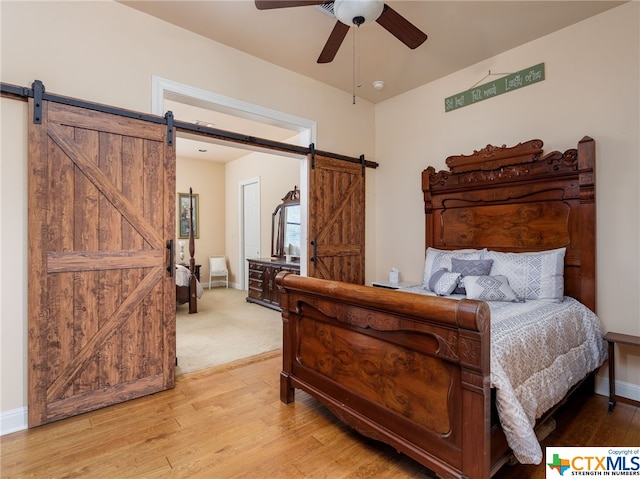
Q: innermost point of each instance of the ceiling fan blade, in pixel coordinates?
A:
(269, 4)
(401, 28)
(333, 43)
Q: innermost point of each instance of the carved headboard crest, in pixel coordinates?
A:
(493, 164)
(493, 157)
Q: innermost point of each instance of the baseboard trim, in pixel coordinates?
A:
(624, 389)
(13, 421)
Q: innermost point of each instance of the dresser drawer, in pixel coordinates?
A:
(254, 274)
(256, 292)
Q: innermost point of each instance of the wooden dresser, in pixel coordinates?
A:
(262, 284)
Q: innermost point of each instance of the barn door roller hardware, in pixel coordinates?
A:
(38, 93)
(312, 152)
(168, 116)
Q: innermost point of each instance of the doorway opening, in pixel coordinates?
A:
(210, 109)
(248, 196)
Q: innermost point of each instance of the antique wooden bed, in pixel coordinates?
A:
(187, 293)
(412, 370)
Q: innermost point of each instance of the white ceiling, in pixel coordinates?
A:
(460, 34)
(198, 147)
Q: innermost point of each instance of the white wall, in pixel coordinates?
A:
(277, 175)
(105, 52)
(13, 264)
(591, 87)
(206, 178)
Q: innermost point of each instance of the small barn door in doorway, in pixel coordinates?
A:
(336, 220)
(101, 301)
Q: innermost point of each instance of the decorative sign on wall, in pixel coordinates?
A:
(516, 80)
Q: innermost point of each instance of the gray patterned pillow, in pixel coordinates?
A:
(443, 283)
(488, 288)
(474, 267)
(538, 275)
(435, 277)
(436, 259)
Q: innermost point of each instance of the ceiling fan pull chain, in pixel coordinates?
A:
(358, 82)
(353, 53)
(356, 61)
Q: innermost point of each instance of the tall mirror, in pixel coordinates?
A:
(285, 237)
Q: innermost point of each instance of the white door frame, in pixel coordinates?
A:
(162, 89)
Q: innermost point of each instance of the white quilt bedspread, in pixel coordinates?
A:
(183, 278)
(539, 350)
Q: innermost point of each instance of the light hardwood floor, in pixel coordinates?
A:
(228, 422)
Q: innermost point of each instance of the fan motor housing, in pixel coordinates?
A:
(357, 12)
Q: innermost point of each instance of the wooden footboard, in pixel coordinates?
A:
(409, 370)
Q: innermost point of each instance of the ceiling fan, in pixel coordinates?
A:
(355, 12)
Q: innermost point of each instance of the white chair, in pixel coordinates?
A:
(218, 268)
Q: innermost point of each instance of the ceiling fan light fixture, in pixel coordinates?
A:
(358, 12)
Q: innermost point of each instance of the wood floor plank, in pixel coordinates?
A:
(573, 430)
(633, 434)
(614, 431)
(228, 422)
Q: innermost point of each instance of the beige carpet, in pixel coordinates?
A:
(224, 329)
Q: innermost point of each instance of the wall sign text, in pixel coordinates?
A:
(516, 80)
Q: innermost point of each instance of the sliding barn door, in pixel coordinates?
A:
(336, 220)
(101, 301)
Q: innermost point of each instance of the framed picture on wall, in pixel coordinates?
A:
(183, 215)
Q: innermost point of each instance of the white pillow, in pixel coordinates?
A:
(537, 275)
(436, 259)
(488, 288)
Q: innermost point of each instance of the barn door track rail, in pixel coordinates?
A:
(38, 93)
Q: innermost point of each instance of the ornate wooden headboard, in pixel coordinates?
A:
(517, 199)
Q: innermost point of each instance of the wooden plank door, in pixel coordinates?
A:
(336, 220)
(101, 301)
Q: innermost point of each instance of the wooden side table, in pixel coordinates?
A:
(611, 339)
